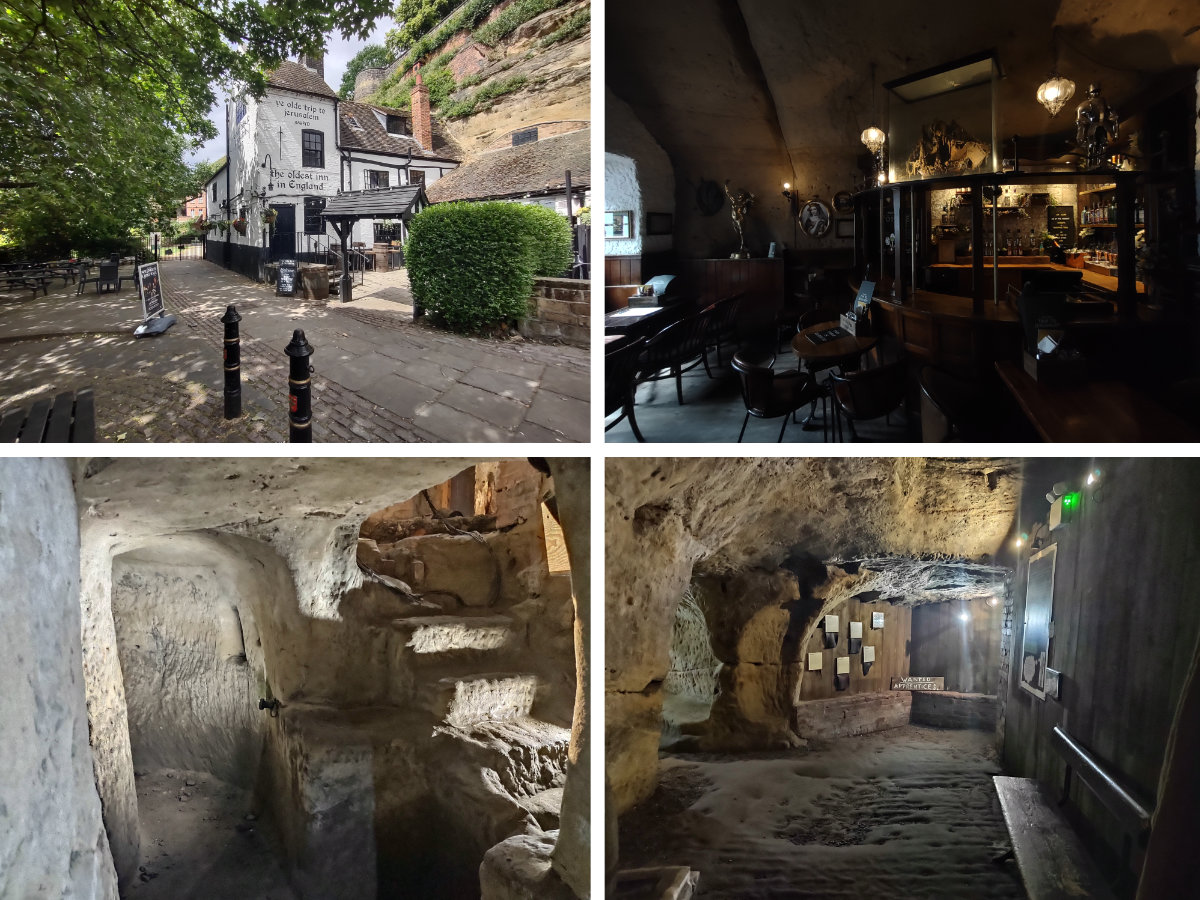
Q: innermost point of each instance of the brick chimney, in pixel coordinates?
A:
(314, 62)
(422, 126)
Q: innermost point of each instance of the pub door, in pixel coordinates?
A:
(283, 236)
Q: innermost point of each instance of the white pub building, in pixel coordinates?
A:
(300, 146)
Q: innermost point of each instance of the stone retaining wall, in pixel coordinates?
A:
(855, 714)
(951, 709)
(559, 310)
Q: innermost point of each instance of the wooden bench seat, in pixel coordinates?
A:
(68, 418)
(1054, 863)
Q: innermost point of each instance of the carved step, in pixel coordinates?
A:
(469, 699)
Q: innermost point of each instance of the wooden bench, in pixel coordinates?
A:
(68, 418)
(1053, 861)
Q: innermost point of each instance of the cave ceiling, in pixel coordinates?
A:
(914, 530)
(765, 80)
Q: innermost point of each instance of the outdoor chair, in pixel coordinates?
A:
(620, 384)
(768, 394)
(676, 349)
(867, 394)
(108, 277)
(84, 278)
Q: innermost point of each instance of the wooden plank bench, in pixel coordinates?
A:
(1053, 861)
(68, 418)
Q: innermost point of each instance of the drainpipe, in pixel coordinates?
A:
(228, 188)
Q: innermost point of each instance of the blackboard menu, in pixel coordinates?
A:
(150, 290)
(1060, 222)
(287, 278)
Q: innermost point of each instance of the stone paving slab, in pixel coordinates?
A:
(377, 376)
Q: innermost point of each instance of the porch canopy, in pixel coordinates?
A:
(345, 209)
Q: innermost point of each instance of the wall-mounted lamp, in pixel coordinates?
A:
(793, 199)
(964, 616)
(993, 600)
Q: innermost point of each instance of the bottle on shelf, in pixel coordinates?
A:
(1031, 245)
(1085, 217)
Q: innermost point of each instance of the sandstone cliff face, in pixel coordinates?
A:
(772, 543)
(52, 840)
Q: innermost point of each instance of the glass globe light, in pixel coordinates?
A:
(1054, 92)
(874, 138)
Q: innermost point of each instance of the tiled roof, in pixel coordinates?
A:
(373, 137)
(527, 170)
(389, 203)
(294, 77)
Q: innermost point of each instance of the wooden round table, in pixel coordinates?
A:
(828, 353)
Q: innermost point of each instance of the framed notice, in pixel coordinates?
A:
(286, 285)
(150, 290)
(1039, 610)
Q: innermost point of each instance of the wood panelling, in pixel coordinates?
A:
(759, 281)
(622, 276)
(891, 645)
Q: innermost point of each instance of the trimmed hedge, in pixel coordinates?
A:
(472, 265)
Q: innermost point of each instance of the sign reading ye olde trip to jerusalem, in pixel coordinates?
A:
(919, 683)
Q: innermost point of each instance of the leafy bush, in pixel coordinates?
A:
(466, 106)
(512, 19)
(576, 25)
(552, 241)
(472, 265)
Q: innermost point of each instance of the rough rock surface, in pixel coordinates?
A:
(669, 521)
(249, 588)
(52, 840)
(519, 869)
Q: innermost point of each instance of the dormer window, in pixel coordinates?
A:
(354, 123)
(398, 125)
(525, 136)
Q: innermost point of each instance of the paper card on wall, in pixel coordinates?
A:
(815, 662)
(868, 654)
(876, 620)
(843, 665)
(856, 629)
(831, 623)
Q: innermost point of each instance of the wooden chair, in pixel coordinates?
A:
(769, 394)
(722, 326)
(676, 349)
(620, 385)
(951, 408)
(867, 394)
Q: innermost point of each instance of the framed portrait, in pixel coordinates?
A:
(844, 228)
(815, 219)
(843, 203)
(1039, 611)
(618, 224)
(659, 223)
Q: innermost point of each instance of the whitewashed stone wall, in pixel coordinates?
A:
(650, 187)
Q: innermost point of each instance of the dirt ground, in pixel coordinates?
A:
(200, 841)
(905, 813)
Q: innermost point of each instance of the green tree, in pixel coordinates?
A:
(372, 56)
(99, 99)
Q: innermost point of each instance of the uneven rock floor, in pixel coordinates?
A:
(905, 813)
(203, 847)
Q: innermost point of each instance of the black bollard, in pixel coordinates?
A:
(233, 363)
(299, 390)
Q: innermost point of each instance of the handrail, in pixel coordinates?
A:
(1108, 791)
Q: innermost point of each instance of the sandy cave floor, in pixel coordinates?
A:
(198, 844)
(905, 813)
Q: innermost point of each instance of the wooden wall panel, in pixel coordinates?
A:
(891, 652)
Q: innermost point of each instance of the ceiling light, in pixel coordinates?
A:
(1054, 92)
(874, 138)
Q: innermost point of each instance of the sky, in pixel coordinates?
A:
(338, 53)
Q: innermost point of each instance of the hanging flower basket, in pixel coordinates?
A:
(269, 215)
(223, 225)
(239, 226)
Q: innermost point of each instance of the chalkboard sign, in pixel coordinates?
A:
(150, 290)
(286, 285)
(1060, 222)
